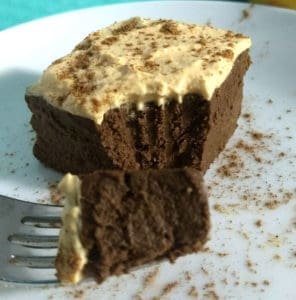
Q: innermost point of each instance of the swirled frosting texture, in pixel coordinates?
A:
(140, 60)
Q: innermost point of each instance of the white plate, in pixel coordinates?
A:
(243, 260)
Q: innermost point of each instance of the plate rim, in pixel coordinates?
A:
(144, 3)
(19, 28)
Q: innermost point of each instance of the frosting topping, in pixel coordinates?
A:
(72, 255)
(140, 60)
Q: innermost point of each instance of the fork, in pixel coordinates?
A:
(28, 241)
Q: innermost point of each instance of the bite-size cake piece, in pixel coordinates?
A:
(140, 94)
(116, 220)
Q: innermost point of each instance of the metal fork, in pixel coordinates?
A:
(28, 241)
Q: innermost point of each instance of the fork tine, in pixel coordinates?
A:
(42, 222)
(28, 231)
(34, 241)
(36, 262)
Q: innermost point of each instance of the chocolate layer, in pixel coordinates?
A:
(132, 218)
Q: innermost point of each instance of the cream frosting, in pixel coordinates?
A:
(140, 60)
(72, 255)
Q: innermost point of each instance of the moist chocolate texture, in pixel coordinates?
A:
(190, 133)
(134, 217)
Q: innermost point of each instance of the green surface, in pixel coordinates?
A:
(14, 12)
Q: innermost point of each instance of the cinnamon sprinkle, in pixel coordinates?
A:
(170, 27)
(109, 40)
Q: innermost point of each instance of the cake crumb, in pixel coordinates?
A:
(258, 223)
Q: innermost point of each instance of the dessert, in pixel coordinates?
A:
(116, 220)
(140, 94)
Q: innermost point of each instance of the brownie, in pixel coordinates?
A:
(125, 98)
(116, 220)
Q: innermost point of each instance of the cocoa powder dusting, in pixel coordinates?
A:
(228, 53)
(109, 41)
(187, 275)
(150, 65)
(257, 135)
(167, 289)
(246, 13)
(170, 27)
(193, 293)
(95, 105)
(233, 165)
(81, 61)
(126, 26)
(272, 204)
(212, 295)
(219, 208)
(254, 154)
(266, 282)
(76, 294)
(150, 278)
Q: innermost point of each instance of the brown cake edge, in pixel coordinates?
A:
(122, 228)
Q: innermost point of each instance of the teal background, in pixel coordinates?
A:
(13, 12)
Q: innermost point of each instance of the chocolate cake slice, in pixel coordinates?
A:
(116, 220)
(140, 94)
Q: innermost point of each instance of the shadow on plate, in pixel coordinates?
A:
(21, 175)
(13, 84)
